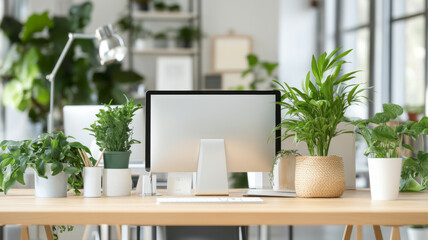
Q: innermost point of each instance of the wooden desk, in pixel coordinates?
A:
(354, 208)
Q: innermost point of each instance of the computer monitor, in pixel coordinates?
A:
(178, 123)
(79, 117)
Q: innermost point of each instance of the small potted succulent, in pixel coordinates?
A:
(186, 35)
(160, 6)
(54, 158)
(175, 7)
(283, 171)
(312, 116)
(113, 133)
(384, 134)
(161, 40)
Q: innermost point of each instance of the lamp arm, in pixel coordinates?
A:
(51, 76)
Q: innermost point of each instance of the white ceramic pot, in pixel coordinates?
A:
(53, 186)
(117, 182)
(92, 181)
(284, 173)
(384, 176)
(417, 233)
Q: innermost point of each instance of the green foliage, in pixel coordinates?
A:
(160, 36)
(314, 112)
(109, 81)
(261, 70)
(414, 167)
(174, 7)
(60, 229)
(125, 24)
(52, 148)
(187, 33)
(35, 47)
(383, 137)
(112, 128)
(159, 5)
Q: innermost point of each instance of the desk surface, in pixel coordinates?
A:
(354, 207)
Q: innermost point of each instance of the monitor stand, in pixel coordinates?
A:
(212, 171)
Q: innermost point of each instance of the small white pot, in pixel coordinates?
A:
(53, 186)
(417, 233)
(117, 182)
(284, 173)
(92, 181)
(384, 176)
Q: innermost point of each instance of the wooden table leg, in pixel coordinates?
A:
(119, 232)
(85, 233)
(395, 233)
(24, 232)
(48, 231)
(348, 232)
(359, 232)
(377, 232)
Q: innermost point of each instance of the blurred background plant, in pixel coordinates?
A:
(35, 47)
(261, 71)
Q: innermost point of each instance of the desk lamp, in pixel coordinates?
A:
(111, 49)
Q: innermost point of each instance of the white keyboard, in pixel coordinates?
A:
(209, 200)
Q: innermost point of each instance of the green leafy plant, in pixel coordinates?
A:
(414, 167)
(159, 6)
(384, 136)
(414, 108)
(36, 46)
(175, 7)
(279, 156)
(261, 70)
(160, 36)
(188, 33)
(125, 24)
(314, 112)
(52, 148)
(112, 128)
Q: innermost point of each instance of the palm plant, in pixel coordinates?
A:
(314, 112)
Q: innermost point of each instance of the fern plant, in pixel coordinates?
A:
(112, 128)
(314, 112)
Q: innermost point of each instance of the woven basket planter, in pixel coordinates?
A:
(319, 176)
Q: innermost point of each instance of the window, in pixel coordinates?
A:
(354, 33)
(408, 50)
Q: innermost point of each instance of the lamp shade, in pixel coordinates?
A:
(111, 46)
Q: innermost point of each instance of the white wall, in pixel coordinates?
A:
(297, 40)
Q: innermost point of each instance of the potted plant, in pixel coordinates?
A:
(313, 115)
(160, 6)
(413, 111)
(384, 138)
(186, 35)
(175, 7)
(143, 5)
(417, 232)
(140, 34)
(113, 133)
(283, 171)
(161, 40)
(55, 160)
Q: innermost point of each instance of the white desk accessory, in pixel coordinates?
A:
(117, 182)
(210, 200)
(179, 183)
(92, 181)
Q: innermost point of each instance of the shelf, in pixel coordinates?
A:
(166, 51)
(164, 16)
